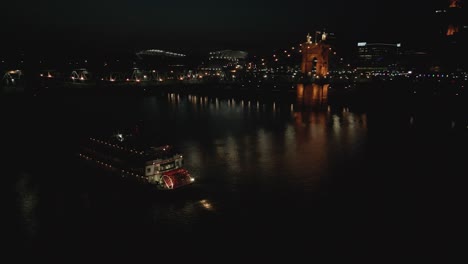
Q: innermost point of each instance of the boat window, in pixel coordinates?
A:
(167, 166)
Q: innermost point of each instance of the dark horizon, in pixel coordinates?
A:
(183, 26)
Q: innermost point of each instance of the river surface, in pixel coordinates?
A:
(276, 177)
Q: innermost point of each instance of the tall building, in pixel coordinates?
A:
(453, 16)
(453, 29)
(378, 56)
(452, 19)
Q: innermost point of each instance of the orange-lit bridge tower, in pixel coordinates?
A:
(315, 56)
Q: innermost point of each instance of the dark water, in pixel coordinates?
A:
(277, 177)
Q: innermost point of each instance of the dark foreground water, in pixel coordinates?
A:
(277, 177)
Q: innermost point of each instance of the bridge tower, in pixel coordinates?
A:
(315, 56)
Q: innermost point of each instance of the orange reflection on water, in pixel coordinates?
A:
(312, 94)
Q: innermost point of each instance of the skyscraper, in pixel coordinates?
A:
(378, 56)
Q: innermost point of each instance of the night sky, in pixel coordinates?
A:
(210, 24)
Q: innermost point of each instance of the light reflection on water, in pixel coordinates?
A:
(255, 149)
(235, 146)
(261, 164)
(28, 200)
(265, 168)
(273, 145)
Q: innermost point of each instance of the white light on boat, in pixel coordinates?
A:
(192, 179)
